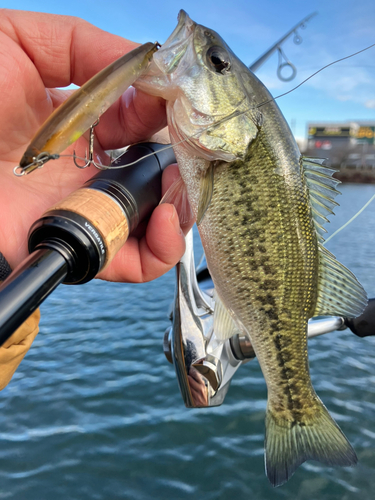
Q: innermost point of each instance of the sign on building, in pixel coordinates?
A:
(366, 134)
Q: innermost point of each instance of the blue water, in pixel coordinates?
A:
(94, 411)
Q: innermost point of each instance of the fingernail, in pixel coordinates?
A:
(174, 220)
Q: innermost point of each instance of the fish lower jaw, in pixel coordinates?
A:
(193, 145)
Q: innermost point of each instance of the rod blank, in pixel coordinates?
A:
(27, 287)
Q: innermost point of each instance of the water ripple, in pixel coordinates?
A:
(94, 412)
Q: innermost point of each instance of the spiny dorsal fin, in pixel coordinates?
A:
(205, 192)
(322, 191)
(224, 325)
(339, 292)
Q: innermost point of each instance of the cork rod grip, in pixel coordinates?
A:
(103, 213)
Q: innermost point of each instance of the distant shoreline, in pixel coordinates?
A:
(356, 175)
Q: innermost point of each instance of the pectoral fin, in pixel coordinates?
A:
(205, 192)
(177, 195)
(224, 324)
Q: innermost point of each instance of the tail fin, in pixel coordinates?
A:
(289, 444)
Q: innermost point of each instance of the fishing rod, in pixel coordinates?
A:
(76, 238)
(277, 46)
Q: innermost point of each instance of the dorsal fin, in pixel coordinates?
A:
(339, 292)
(322, 191)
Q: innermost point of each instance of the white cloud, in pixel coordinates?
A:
(370, 104)
(343, 98)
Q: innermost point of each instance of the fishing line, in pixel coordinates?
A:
(235, 114)
(238, 112)
(350, 220)
(168, 146)
(316, 72)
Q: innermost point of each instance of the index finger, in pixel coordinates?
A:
(64, 49)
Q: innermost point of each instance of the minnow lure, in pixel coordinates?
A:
(67, 123)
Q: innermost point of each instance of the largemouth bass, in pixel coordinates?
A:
(260, 209)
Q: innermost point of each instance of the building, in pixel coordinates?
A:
(349, 145)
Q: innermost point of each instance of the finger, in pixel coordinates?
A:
(194, 384)
(136, 116)
(67, 50)
(170, 175)
(153, 255)
(64, 49)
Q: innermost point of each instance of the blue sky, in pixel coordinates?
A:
(342, 92)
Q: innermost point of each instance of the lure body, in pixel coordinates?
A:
(83, 108)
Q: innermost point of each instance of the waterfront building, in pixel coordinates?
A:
(346, 145)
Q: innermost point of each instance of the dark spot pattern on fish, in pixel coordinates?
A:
(268, 269)
(268, 284)
(271, 314)
(260, 261)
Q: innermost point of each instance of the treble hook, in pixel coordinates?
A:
(42, 158)
(90, 159)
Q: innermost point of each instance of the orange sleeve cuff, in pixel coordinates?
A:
(14, 349)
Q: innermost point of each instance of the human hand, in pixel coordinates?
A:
(39, 53)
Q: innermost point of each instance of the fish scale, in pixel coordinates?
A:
(268, 270)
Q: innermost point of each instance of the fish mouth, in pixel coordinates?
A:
(183, 22)
(171, 52)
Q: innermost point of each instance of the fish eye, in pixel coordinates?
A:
(218, 58)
